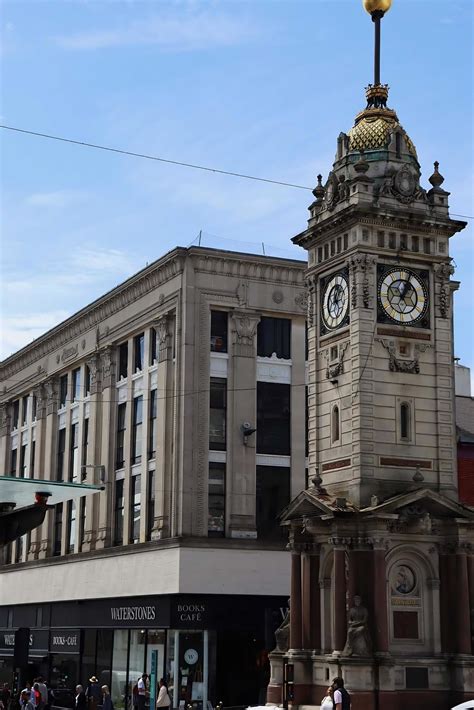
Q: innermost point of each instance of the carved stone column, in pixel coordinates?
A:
(340, 620)
(106, 446)
(462, 612)
(5, 423)
(296, 641)
(49, 462)
(93, 455)
(380, 599)
(311, 615)
(242, 408)
(38, 463)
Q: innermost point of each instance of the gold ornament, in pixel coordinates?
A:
(377, 5)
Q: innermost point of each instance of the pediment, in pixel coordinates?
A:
(436, 504)
(307, 503)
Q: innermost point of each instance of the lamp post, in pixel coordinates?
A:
(377, 9)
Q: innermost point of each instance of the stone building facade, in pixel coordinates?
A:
(184, 390)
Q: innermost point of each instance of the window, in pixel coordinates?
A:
(87, 381)
(85, 442)
(74, 453)
(138, 352)
(217, 414)
(333, 248)
(339, 245)
(392, 240)
(403, 242)
(71, 527)
(415, 244)
(82, 520)
(346, 241)
(405, 421)
(152, 424)
(23, 460)
(32, 459)
(16, 414)
(320, 254)
(273, 336)
(13, 460)
(381, 239)
(34, 408)
(19, 549)
(273, 494)
(121, 427)
(76, 385)
(123, 360)
(153, 349)
(326, 251)
(24, 410)
(335, 425)
(216, 500)
(62, 391)
(135, 485)
(218, 331)
(118, 511)
(137, 423)
(58, 528)
(150, 521)
(273, 418)
(427, 246)
(60, 455)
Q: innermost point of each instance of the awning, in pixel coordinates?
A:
(22, 491)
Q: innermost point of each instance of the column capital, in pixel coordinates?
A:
(163, 336)
(244, 327)
(94, 365)
(107, 363)
(51, 392)
(5, 418)
(41, 400)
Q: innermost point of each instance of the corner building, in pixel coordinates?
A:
(186, 384)
(381, 518)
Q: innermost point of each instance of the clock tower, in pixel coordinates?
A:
(382, 576)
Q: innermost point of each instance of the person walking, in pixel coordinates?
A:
(93, 693)
(81, 700)
(327, 702)
(107, 703)
(25, 700)
(44, 692)
(5, 696)
(164, 700)
(142, 691)
(37, 696)
(342, 699)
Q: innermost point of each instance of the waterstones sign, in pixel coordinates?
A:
(133, 613)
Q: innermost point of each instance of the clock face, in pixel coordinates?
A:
(335, 302)
(403, 296)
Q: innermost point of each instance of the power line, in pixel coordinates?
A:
(158, 159)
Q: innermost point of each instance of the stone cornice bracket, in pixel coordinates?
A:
(310, 283)
(244, 328)
(40, 393)
(95, 371)
(107, 366)
(52, 398)
(443, 273)
(398, 364)
(5, 418)
(334, 368)
(360, 267)
(163, 335)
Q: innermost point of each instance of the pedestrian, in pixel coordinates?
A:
(327, 702)
(342, 699)
(37, 696)
(142, 691)
(164, 700)
(93, 693)
(29, 691)
(107, 703)
(25, 699)
(44, 692)
(5, 696)
(81, 700)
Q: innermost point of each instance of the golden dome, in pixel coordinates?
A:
(373, 5)
(372, 131)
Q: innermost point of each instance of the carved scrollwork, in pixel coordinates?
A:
(163, 338)
(443, 272)
(362, 264)
(335, 367)
(245, 327)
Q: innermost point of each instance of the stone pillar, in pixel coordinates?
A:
(38, 463)
(50, 441)
(380, 601)
(93, 454)
(295, 602)
(315, 603)
(241, 460)
(445, 585)
(470, 574)
(460, 601)
(306, 601)
(340, 613)
(5, 421)
(107, 446)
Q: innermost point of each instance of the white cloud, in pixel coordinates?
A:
(57, 199)
(19, 330)
(179, 32)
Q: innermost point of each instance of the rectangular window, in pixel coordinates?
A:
(58, 528)
(32, 459)
(16, 414)
(405, 625)
(151, 504)
(153, 349)
(326, 251)
(415, 243)
(403, 242)
(333, 248)
(85, 442)
(121, 427)
(135, 485)
(381, 239)
(137, 425)
(339, 245)
(217, 413)
(13, 460)
(152, 424)
(74, 453)
(346, 241)
(138, 352)
(273, 418)
(392, 240)
(87, 381)
(82, 520)
(320, 254)
(19, 549)
(24, 410)
(274, 336)
(60, 455)
(34, 408)
(71, 527)
(216, 500)
(219, 331)
(427, 246)
(118, 513)
(23, 460)
(123, 360)
(76, 385)
(62, 391)
(273, 494)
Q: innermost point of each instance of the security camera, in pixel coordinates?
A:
(248, 429)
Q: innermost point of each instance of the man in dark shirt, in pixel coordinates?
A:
(342, 699)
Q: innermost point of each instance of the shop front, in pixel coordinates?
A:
(210, 648)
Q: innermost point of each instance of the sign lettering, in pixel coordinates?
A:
(133, 613)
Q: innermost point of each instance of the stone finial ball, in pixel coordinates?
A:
(377, 5)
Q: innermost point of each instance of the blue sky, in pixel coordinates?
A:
(261, 87)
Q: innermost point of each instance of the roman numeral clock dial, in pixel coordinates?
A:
(334, 302)
(403, 296)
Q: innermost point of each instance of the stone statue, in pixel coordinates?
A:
(282, 634)
(358, 641)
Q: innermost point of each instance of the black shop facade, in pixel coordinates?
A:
(210, 648)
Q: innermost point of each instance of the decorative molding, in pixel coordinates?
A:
(443, 272)
(244, 330)
(290, 272)
(93, 363)
(405, 463)
(107, 362)
(301, 301)
(397, 364)
(333, 465)
(311, 295)
(163, 337)
(51, 392)
(5, 419)
(403, 332)
(334, 368)
(363, 264)
(278, 297)
(242, 294)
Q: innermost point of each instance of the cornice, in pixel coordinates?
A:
(250, 266)
(150, 278)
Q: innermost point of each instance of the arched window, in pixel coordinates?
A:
(405, 421)
(335, 424)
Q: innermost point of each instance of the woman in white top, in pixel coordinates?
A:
(164, 700)
(327, 702)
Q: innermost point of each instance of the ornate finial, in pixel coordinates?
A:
(318, 191)
(436, 179)
(372, 6)
(418, 476)
(362, 165)
(376, 95)
(316, 482)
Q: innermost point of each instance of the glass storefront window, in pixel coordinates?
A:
(188, 668)
(104, 656)
(137, 655)
(118, 688)
(63, 679)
